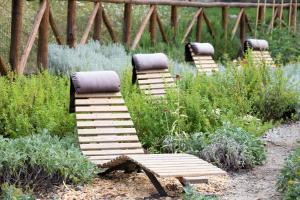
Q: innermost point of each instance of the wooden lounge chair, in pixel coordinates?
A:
(108, 138)
(259, 52)
(151, 73)
(201, 55)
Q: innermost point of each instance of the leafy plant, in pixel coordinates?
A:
(289, 179)
(11, 192)
(34, 103)
(233, 148)
(42, 160)
(191, 194)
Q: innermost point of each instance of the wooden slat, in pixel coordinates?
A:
(157, 86)
(205, 61)
(106, 131)
(101, 108)
(103, 116)
(104, 123)
(100, 101)
(102, 157)
(190, 173)
(152, 71)
(154, 75)
(112, 138)
(162, 91)
(115, 94)
(113, 152)
(110, 146)
(149, 81)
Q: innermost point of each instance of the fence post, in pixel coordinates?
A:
(42, 52)
(199, 27)
(152, 25)
(16, 32)
(243, 29)
(71, 24)
(98, 23)
(174, 21)
(127, 24)
(225, 21)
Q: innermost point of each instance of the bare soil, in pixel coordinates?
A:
(259, 183)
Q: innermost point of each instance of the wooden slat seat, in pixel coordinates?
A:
(107, 137)
(155, 82)
(203, 63)
(262, 57)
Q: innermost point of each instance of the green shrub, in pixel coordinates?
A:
(42, 160)
(191, 194)
(34, 103)
(289, 179)
(233, 148)
(10, 192)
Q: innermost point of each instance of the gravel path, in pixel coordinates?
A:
(260, 183)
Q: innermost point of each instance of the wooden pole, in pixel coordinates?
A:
(161, 28)
(295, 20)
(16, 32)
(152, 26)
(71, 24)
(54, 28)
(261, 16)
(199, 27)
(109, 26)
(243, 29)
(271, 26)
(42, 52)
(237, 23)
(209, 26)
(257, 17)
(142, 28)
(174, 20)
(3, 67)
(190, 26)
(127, 26)
(290, 13)
(98, 23)
(90, 24)
(265, 10)
(281, 14)
(32, 36)
(225, 21)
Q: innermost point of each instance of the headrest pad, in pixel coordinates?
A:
(202, 48)
(95, 82)
(256, 44)
(150, 61)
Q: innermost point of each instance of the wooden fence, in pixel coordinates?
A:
(44, 19)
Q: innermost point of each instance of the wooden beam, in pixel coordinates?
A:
(127, 25)
(152, 26)
(281, 14)
(261, 15)
(225, 21)
(199, 27)
(42, 52)
(174, 20)
(3, 67)
(271, 25)
(142, 28)
(237, 23)
(186, 3)
(243, 29)
(54, 28)
(295, 15)
(16, 32)
(161, 28)
(98, 23)
(109, 26)
(32, 36)
(90, 24)
(247, 21)
(71, 24)
(209, 26)
(190, 26)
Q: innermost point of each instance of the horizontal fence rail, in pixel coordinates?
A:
(44, 20)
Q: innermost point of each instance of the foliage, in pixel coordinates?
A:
(233, 148)
(10, 192)
(89, 57)
(289, 179)
(34, 103)
(191, 194)
(42, 160)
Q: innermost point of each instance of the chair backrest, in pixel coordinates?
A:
(104, 126)
(203, 63)
(155, 82)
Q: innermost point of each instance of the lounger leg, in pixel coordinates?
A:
(156, 183)
(127, 166)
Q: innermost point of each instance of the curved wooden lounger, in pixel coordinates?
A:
(154, 82)
(259, 57)
(108, 138)
(203, 63)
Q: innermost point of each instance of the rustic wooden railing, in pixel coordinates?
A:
(44, 19)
